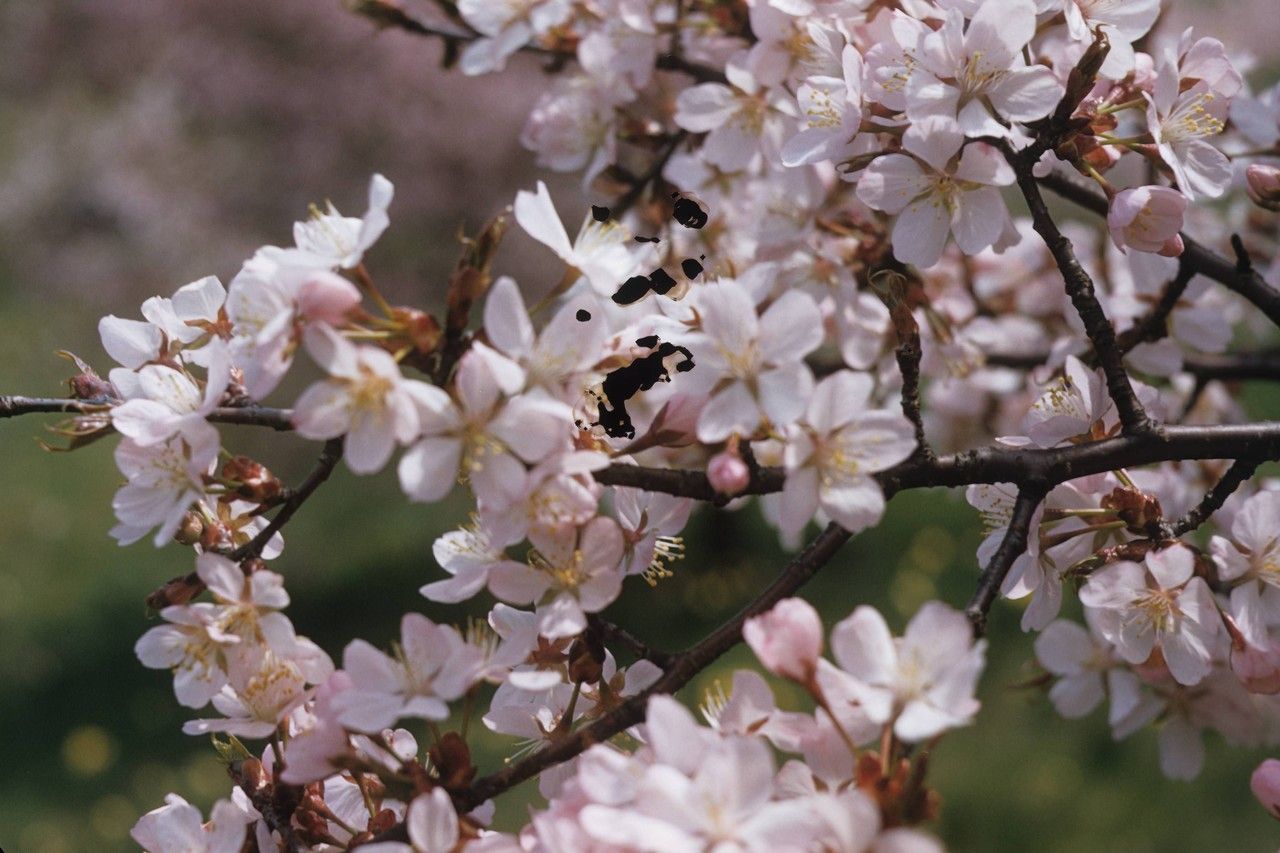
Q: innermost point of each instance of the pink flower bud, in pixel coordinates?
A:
(1265, 783)
(1258, 669)
(1264, 185)
(787, 639)
(327, 297)
(728, 474)
(1148, 219)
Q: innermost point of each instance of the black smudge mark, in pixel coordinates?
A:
(623, 383)
(599, 214)
(688, 212)
(691, 268)
(635, 288)
(583, 315)
(643, 239)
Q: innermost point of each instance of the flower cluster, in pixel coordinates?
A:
(867, 300)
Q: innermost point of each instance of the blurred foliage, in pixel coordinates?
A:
(90, 739)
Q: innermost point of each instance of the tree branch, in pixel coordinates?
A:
(685, 666)
(189, 585)
(1080, 288)
(1239, 472)
(1206, 367)
(1235, 276)
(1012, 546)
(611, 633)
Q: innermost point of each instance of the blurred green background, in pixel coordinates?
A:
(144, 144)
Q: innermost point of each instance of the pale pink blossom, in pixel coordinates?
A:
(432, 824)
(1160, 601)
(274, 295)
(339, 241)
(258, 696)
(831, 108)
(976, 74)
(727, 473)
(833, 452)
(478, 434)
(505, 27)
(164, 480)
(1250, 561)
(179, 826)
(562, 352)
(170, 323)
(1148, 219)
(744, 121)
(754, 363)
(787, 639)
(923, 682)
(432, 666)
(468, 554)
(1265, 784)
(364, 399)
(600, 251)
(934, 193)
(571, 572)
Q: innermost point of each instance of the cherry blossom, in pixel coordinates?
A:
(1159, 601)
(481, 436)
(570, 573)
(787, 639)
(924, 681)
(933, 194)
(760, 358)
(432, 666)
(1148, 219)
(178, 825)
(832, 454)
(364, 399)
(1251, 559)
(341, 241)
(976, 74)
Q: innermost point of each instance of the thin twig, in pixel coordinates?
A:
(1248, 283)
(191, 585)
(1012, 546)
(1239, 472)
(1080, 288)
(611, 633)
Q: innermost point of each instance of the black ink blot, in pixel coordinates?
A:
(640, 375)
(635, 288)
(689, 213)
(643, 239)
(583, 315)
(600, 214)
(692, 269)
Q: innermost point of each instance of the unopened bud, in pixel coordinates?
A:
(1091, 61)
(87, 386)
(253, 776)
(728, 473)
(314, 828)
(190, 530)
(452, 759)
(1136, 509)
(1264, 185)
(586, 661)
(177, 591)
(1265, 783)
(420, 327)
(256, 483)
(382, 821)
